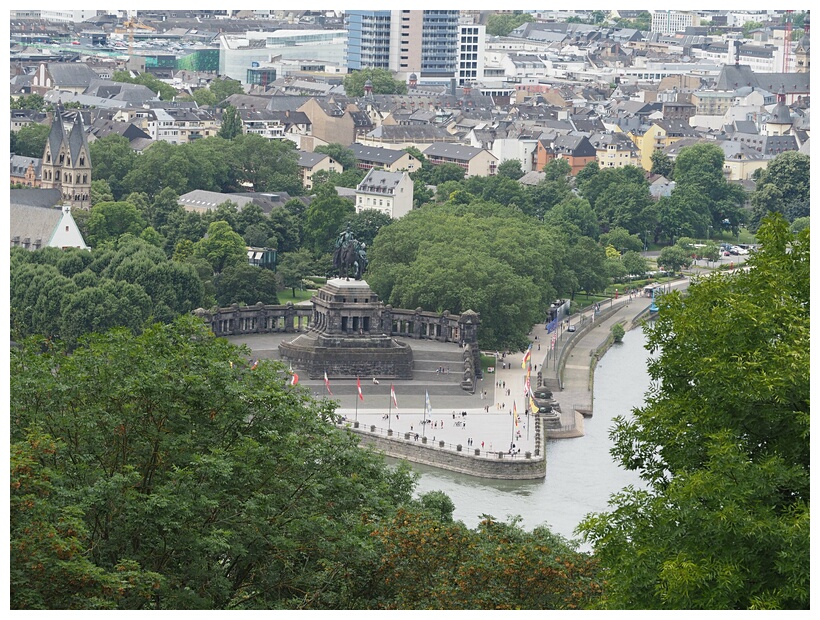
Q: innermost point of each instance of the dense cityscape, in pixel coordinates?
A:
(184, 188)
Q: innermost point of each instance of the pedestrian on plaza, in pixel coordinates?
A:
(482, 445)
(539, 346)
(454, 415)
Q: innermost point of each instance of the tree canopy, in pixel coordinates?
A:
(475, 256)
(215, 485)
(723, 445)
(381, 79)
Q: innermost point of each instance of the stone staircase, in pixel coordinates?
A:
(427, 363)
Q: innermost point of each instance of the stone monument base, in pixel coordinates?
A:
(349, 358)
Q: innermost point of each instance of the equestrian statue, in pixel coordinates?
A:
(349, 256)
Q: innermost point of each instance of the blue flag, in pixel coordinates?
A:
(428, 408)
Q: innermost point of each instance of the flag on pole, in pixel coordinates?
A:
(327, 384)
(255, 364)
(533, 404)
(526, 356)
(427, 406)
(553, 341)
(515, 415)
(359, 388)
(294, 379)
(393, 395)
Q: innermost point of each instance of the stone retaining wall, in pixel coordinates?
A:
(501, 466)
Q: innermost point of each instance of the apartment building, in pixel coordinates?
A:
(421, 42)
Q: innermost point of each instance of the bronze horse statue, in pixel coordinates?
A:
(349, 256)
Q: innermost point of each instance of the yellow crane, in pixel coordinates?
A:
(128, 26)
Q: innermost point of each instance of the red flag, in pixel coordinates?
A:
(359, 387)
(255, 364)
(294, 379)
(393, 395)
(327, 384)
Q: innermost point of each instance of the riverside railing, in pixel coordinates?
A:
(410, 437)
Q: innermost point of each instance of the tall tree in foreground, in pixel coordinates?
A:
(212, 483)
(723, 445)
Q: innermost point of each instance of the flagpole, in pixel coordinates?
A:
(424, 418)
(356, 398)
(512, 434)
(389, 407)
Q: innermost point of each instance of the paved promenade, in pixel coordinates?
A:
(488, 420)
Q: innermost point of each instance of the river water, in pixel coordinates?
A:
(581, 474)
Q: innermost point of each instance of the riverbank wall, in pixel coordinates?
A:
(455, 457)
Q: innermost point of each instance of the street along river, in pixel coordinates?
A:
(581, 474)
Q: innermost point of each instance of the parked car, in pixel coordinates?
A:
(570, 328)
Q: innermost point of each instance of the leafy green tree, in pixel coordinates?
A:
(34, 101)
(702, 188)
(621, 239)
(747, 28)
(634, 263)
(575, 217)
(221, 247)
(588, 260)
(286, 228)
(783, 186)
(166, 91)
(475, 256)
(365, 225)
(113, 159)
(446, 172)
(107, 305)
(109, 220)
(293, 267)
(231, 487)
(799, 224)
(49, 563)
(30, 141)
(427, 561)
(510, 168)
(662, 165)
(545, 195)
(674, 258)
(722, 444)
(502, 24)
(162, 166)
(323, 218)
(617, 332)
(245, 284)
(101, 192)
(381, 79)
(224, 87)
(343, 155)
(231, 124)
(268, 165)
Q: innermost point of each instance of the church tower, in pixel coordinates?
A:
(66, 159)
(802, 59)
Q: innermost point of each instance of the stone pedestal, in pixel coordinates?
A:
(347, 340)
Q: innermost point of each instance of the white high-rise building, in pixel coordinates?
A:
(670, 22)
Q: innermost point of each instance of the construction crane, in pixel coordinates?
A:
(128, 26)
(787, 42)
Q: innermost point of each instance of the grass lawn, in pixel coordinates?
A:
(285, 296)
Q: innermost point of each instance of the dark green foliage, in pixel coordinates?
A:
(231, 124)
(723, 444)
(245, 284)
(476, 256)
(783, 186)
(166, 91)
(217, 484)
(30, 141)
(381, 79)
